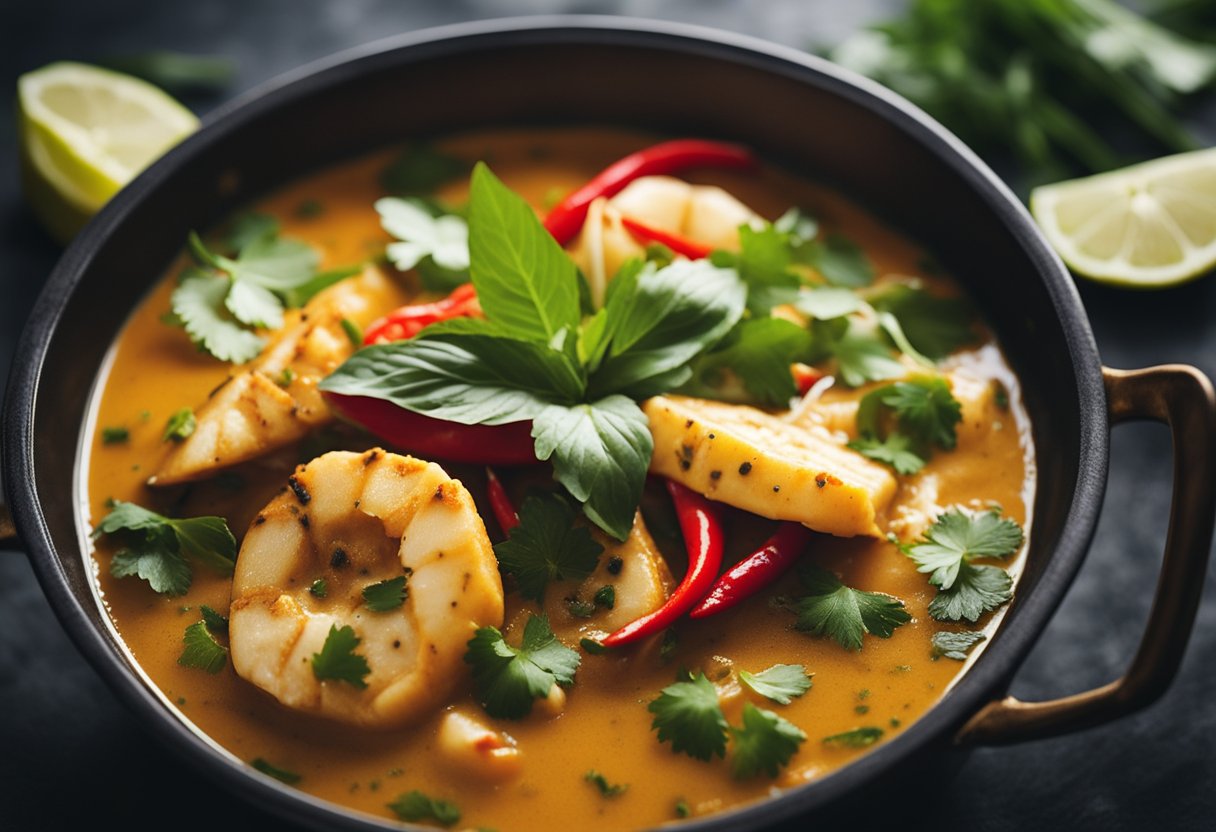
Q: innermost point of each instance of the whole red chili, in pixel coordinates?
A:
(680, 245)
(565, 220)
(500, 503)
(756, 571)
(408, 321)
(701, 523)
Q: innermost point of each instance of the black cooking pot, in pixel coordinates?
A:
(802, 112)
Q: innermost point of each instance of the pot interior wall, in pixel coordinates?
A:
(827, 132)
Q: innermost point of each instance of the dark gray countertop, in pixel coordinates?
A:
(71, 756)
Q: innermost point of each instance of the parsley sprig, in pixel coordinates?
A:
(842, 613)
(509, 679)
(156, 547)
(966, 590)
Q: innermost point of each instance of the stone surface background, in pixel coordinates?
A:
(72, 757)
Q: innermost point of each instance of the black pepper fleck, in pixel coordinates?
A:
(339, 558)
(304, 520)
(614, 565)
(715, 475)
(301, 492)
(745, 468)
(776, 488)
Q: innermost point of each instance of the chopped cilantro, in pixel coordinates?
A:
(925, 413)
(592, 646)
(781, 683)
(688, 715)
(280, 774)
(338, 659)
(156, 546)
(215, 622)
(844, 614)
(202, 650)
(946, 553)
(862, 356)
(547, 546)
(895, 450)
(417, 806)
(605, 596)
(115, 435)
(601, 782)
(180, 425)
(319, 588)
(764, 742)
(580, 608)
(508, 679)
(682, 809)
(840, 261)
(856, 738)
(386, 595)
(953, 645)
(759, 352)
(936, 326)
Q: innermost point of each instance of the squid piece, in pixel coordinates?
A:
(275, 401)
(349, 521)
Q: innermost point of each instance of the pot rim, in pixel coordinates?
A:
(972, 690)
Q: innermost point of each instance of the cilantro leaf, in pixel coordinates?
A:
(280, 774)
(759, 351)
(976, 590)
(525, 281)
(658, 320)
(180, 425)
(273, 263)
(953, 645)
(781, 683)
(471, 379)
(156, 560)
(765, 742)
(763, 262)
(856, 738)
(420, 170)
(601, 452)
(297, 296)
(386, 595)
(417, 806)
(547, 546)
(156, 545)
(442, 240)
(925, 408)
(895, 450)
(215, 622)
(249, 227)
(508, 679)
(936, 326)
(844, 614)
(863, 357)
(688, 715)
(338, 659)
(827, 302)
(841, 261)
(198, 302)
(956, 538)
(253, 305)
(206, 539)
(202, 650)
(601, 782)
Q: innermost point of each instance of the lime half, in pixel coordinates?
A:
(85, 132)
(1145, 226)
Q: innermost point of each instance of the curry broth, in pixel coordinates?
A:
(155, 371)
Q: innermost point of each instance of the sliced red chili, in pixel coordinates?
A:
(500, 503)
(680, 245)
(756, 571)
(805, 378)
(406, 322)
(509, 444)
(701, 522)
(565, 220)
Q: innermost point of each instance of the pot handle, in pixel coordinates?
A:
(8, 530)
(1182, 398)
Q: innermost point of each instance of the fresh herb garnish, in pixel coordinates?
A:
(951, 645)
(319, 588)
(764, 742)
(781, 683)
(415, 805)
(215, 622)
(338, 659)
(201, 649)
(534, 359)
(281, 774)
(758, 352)
(420, 170)
(601, 782)
(156, 546)
(437, 246)
(605, 597)
(180, 425)
(547, 546)
(114, 435)
(936, 326)
(386, 595)
(924, 412)
(688, 715)
(509, 679)
(966, 590)
(856, 738)
(592, 646)
(842, 613)
(840, 261)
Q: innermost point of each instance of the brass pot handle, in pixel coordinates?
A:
(8, 531)
(1182, 398)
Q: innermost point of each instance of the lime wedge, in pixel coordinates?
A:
(85, 132)
(1145, 226)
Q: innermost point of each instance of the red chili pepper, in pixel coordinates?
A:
(500, 503)
(805, 378)
(408, 321)
(680, 245)
(701, 522)
(756, 571)
(565, 220)
(509, 444)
